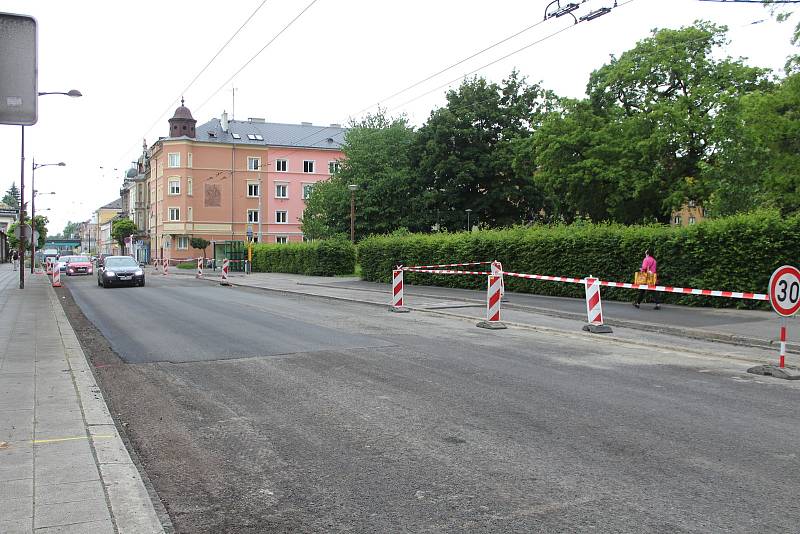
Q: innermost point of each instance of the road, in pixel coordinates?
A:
(253, 411)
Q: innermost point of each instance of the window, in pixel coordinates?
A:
(692, 203)
(252, 189)
(189, 214)
(252, 216)
(174, 214)
(691, 220)
(189, 160)
(255, 137)
(236, 136)
(281, 239)
(175, 186)
(308, 166)
(333, 167)
(253, 164)
(160, 169)
(280, 165)
(307, 189)
(281, 191)
(189, 186)
(677, 220)
(183, 242)
(174, 159)
(280, 216)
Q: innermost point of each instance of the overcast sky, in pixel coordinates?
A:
(133, 60)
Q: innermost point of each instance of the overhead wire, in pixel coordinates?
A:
(197, 76)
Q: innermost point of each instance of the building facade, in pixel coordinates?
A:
(234, 181)
(103, 219)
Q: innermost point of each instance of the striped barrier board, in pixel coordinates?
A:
(449, 265)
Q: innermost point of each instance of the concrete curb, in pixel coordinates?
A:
(129, 501)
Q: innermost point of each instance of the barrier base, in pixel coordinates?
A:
(398, 309)
(786, 373)
(598, 329)
(224, 283)
(491, 325)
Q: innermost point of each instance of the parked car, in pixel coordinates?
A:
(78, 265)
(120, 270)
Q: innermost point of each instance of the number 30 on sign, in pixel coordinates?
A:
(784, 290)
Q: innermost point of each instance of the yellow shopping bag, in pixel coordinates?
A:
(644, 278)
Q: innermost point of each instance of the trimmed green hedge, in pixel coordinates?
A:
(318, 258)
(737, 254)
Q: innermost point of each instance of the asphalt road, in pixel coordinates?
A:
(254, 411)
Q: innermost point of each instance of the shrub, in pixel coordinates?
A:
(318, 258)
(737, 253)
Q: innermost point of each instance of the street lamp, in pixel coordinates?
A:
(74, 93)
(468, 210)
(35, 166)
(352, 188)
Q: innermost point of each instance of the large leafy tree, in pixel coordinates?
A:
(652, 132)
(376, 151)
(121, 229)
(464, 154)
(70, 229)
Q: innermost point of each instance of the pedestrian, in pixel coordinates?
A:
(15, 259)
(648, 266)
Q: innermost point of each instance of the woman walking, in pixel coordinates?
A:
(649, 265)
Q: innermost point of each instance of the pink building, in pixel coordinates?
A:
(231, 181)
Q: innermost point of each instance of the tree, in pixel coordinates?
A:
(40, 225)
(122, 229)
(70, 229)
(464, 153)
(376, 152)
(200, 244)
(658, 122)
(11, 197)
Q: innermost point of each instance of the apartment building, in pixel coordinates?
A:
(232, 181)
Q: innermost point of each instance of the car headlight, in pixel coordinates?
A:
(110, 273)
(139, 272)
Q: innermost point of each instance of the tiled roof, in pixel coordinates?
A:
(113, 205)
(273, 134)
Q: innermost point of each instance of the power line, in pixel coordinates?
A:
(185, 89)
(286, 27)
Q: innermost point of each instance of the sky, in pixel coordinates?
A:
(292, 61)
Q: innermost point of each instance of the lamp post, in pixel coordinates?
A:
(468, 210)
(35, 166)
(74, 93)
(352, 188)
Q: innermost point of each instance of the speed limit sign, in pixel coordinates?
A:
(784, 290)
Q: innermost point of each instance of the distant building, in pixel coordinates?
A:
(689, 214)
(206, 181)
(103, 218)
(8, 216)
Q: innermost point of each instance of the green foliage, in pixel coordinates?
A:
(11, 197)
(13, 242)
(736, 253)
(200, 244)
(122, 228)
(327, 257)
(188, 265)
(71, 229)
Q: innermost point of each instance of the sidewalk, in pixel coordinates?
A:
(753, 328)
(63, 467)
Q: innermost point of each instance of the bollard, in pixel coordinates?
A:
(397, 292)
(56, 277)
(782, 361)
(224, 280)
(199, 268)
(497, 270)
(48, 262)
(594, 307)
(165, 262)
(493, 296)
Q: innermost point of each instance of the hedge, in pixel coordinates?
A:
(736, 253)
(317, 258)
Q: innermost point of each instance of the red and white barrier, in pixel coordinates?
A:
(48, 262)
(165, 262)
(56, 277)
(397, 292)
(493, 297)
(497, 270)
(449, 265)
(225, 266)
(782, 362)
(594, 308)
(199, 268)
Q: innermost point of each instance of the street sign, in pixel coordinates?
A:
(23, 232)
(784, 290)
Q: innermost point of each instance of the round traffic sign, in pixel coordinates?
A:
(784, 290)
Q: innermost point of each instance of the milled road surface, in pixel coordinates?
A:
(254, 411)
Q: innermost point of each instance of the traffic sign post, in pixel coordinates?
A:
(784, 295)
